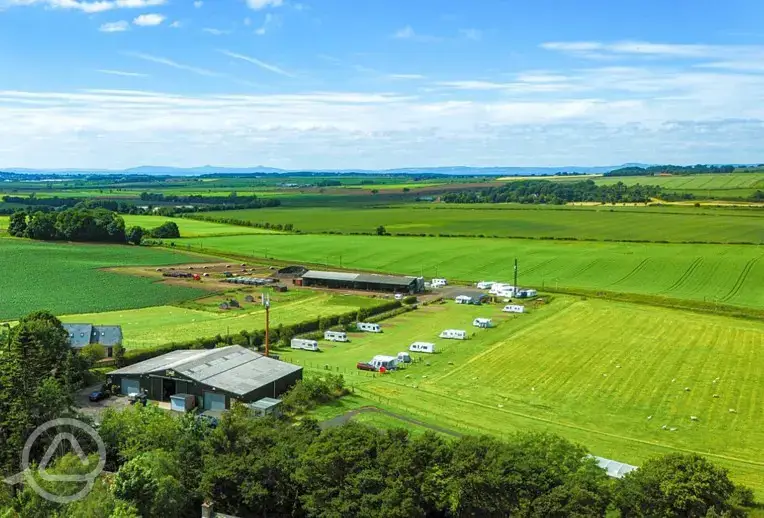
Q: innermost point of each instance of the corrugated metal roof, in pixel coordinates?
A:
(331, 276)
(233, 369)
(385, 279)
(614, 468)
(265, 403)
(79, 334)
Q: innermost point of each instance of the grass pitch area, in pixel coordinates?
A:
(608, 375)
(67, 278)
(723, 274)
(191, 227)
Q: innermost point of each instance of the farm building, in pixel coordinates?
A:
(614, 468)
(363, 281)
(81, 335)
(215, 377)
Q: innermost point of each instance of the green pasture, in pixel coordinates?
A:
(587, 223)
(723, 274)
(191, 227)
(609, 375)
(68, 278)
(153, 326)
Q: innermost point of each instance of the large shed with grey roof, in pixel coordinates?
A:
(363, 281)
(216, 376)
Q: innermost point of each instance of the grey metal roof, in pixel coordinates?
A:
(614, 468)
(385, 279)
(79, 334)
(233, 369)
(331, 276)
(265, 403)
(107, 335)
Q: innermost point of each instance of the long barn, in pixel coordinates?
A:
(363, 281)
(216, 376)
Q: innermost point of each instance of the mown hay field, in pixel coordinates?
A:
(504, 220)
(609, 375)
(720, 274)
(68, 278)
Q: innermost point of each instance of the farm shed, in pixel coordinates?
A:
(614, 468)
(363, 281)
(81, 335)
(215, 377)
(265, 407)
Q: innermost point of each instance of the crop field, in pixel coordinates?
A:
(721, 274)
(589, 223)
(153, 326)
(609, 375)
(67, 278)
(191, 227)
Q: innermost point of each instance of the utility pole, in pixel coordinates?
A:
(516, 275)
(267, 304)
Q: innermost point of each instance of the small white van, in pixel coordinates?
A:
(336, 336)
(454, 334)
(305, 345)
(422, 347)
(368, 328)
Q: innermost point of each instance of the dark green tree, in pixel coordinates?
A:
(17, 226)
(381, 231)
(167, 230)
(134, 235)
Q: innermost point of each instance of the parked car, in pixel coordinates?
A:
(138, 398)
(363, 366)
(399, 296)
(98, 395)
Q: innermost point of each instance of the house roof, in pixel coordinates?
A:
(107, 335)
(233, 369)
(372, 278)
(79, 334)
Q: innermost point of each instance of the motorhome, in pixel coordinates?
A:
(464, 299)
(336, 336)
(454, 334)
(422, 347)
(485, 285)
(305, 345)
(438, 283)
(404, 358)
(502, 290)
(526, 293)
(386, 362)
(514, 308)
(368, 328)
(482, 322)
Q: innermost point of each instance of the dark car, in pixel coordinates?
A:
(98, 395)
(365, 367)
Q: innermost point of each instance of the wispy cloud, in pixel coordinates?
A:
(149, 20)
(176, 24)
(89, 6)
(174, 64)
(406, 76)
(257, 62)
(471, 34)
(262, 4)
(269, 22)
(216, 32)
(122, 73)
(408, 33)
(654, 50)
(198, 4)
(119, 26)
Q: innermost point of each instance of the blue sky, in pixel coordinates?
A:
(379, 84)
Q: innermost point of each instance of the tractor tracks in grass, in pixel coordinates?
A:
(348, 416)
(741, 279)
(635, 271)
(584, 269)
(686, 275)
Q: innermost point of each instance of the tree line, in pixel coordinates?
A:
(556, 193)
(678, 170)
(83, 225)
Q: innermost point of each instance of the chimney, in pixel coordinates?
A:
(207, 510)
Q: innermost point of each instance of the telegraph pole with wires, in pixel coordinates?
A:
(516, 286)
(267, 305)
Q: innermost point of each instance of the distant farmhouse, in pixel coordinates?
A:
(81, 335)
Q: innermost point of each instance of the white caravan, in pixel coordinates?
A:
(305, 345)
(422, 347)
(482, 322)
(454, 334)
(485, 285)
(388, 362)
(438, 283)
(527, 293)
(463, 299)
(404, 358)
(514, 308)
(336, 336)
(369, 328)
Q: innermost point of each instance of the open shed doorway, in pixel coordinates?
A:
(168, 389)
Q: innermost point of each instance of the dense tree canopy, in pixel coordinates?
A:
(77, 224)
(672, 170)
(556, 193)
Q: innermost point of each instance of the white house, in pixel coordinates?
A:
(455, 334)
(369, 328)
(388, 362)
(306, 345)
(514, 308)
(482, 322)
(336, 336)
(422, 347)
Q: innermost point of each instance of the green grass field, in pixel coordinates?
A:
(591, 370)
(67, 278)
(504, 220)
(153, 326)
(723, 274)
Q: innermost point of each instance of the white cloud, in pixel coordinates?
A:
(174, 64)
(405, 33)
(471, 34)
(176, 25)
(257, 62)
(262, 4)
(198, 4)
(149, 20)
(89, 6)
(269, 22)
(123, 73)
(216, 32)
(119, 26)
(646, 49)
(406, 76)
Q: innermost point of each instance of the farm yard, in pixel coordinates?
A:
(714, 274)
(511, 220)
(68, 278)
(606, 374)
